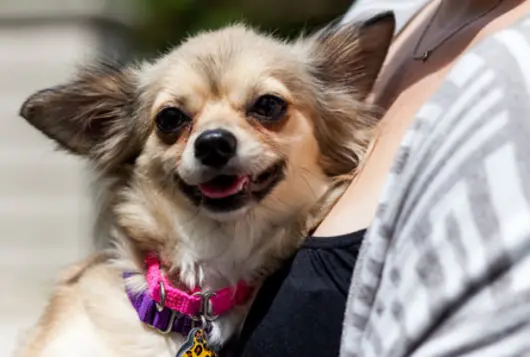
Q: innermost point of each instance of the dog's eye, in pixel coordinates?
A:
(268, 108)
(171, 119)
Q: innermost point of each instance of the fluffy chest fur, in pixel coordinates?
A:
(204, 252)
(199, 251)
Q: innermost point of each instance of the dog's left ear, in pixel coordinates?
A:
(351, 55)
(91, 116)
(345, 61)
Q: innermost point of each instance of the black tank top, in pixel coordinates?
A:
(300, 309)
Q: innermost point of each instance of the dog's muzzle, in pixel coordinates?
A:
(214, 148)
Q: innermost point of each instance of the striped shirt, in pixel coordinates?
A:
(445, 267)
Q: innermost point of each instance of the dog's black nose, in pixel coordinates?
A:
(215, 147)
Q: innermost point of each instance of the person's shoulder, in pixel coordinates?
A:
(403, 10)
(515, 38)
(488, 86)
(507, 51)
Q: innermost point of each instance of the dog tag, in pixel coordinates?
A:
(195, 345)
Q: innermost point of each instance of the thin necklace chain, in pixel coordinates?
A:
(427, 53)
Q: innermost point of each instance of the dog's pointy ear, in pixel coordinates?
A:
(351, 55)
(92, 116)
(345, 61)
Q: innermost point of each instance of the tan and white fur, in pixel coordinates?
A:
(146, 158)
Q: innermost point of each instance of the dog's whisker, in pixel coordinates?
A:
(303, 177)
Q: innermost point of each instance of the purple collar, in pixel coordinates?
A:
(165, 320)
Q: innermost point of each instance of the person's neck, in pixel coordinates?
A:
(453, 12)
(465, 7)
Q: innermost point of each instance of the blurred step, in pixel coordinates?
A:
(41, 181)
(25, 286)
(28, 78)
(47, 44)
(32, 207)
(47, 233)
(37, 155)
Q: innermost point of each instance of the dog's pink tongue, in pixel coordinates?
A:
(214, 190)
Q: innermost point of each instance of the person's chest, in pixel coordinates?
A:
(299, 310)
(404, 88)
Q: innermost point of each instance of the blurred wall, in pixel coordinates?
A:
(45, 203)
(163, 23)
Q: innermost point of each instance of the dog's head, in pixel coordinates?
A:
(230, 120)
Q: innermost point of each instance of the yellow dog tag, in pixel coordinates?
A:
(195, 345)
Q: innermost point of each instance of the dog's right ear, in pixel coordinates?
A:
(91, 116)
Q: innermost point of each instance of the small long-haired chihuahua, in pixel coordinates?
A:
(216, 160)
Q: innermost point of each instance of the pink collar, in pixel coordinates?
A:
(196, 303)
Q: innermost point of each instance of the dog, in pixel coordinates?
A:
(216, 160)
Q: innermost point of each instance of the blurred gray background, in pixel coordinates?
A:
(46, 208)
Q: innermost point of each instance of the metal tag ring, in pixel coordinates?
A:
(160, 306)
(206, 310)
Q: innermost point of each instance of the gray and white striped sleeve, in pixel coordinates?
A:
(445, 267)
(403, 10)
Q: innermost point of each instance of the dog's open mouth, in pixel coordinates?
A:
(224, 186)
(230, 192)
